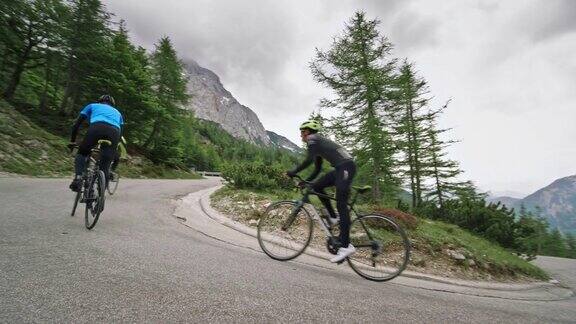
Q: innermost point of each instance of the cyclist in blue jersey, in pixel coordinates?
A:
(105, 124)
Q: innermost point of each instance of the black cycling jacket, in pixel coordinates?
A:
(322, 148)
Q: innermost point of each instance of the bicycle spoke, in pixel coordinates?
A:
(283, 231)
(382, 248)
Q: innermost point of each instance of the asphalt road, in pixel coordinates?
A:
(141, 265)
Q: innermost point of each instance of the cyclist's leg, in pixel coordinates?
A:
(108, 151)
(84, 148)
(344, 177)
(89, 141)
(327, 180)
(116, 161)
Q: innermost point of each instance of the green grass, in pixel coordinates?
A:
(437, 235)
(430, 238)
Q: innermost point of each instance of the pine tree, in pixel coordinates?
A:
(127, 76)
(27, 27)
(443, 171)
(554, 244)
(169, 88)
(411, 128)
(88, 49)
(571, 245)
(358, 68)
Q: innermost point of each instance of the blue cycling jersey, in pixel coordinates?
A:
(98, 112)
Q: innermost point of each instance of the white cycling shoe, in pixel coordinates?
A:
(333, 221)
(343, 253)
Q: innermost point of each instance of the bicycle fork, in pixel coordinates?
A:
(292, 216)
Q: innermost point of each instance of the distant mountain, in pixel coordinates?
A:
(211, 101)
(508, 201)
(282, 142)
(558, 203)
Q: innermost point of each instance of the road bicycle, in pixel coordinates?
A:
(92, 188)
(382, 247)
(112, 184)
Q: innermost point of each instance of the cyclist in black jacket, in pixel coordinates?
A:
(321, 148)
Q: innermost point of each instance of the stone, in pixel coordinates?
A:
(456, 255)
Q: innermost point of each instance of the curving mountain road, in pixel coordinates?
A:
(141, 264)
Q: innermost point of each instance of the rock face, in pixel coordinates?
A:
(211, 101)
(558, 203)
(280, 141)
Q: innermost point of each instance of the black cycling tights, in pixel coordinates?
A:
(341, 177)
(96, 132)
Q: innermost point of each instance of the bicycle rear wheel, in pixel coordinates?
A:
(95, 198)
(382, 247)
(284, 231)
(112, 185)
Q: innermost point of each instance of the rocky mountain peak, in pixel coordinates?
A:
(211, 101)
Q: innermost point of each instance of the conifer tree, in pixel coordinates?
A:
(411, 129)
(443, 171)
(127, 76)
(361, 73)
(169, 88)
(571, 245)
(26, 30)
(88, 49)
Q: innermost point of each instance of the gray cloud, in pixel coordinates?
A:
(549, 19)
(412, 31)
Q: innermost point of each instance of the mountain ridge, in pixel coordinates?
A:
(555, 202)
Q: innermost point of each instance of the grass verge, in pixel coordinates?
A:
(437, 248)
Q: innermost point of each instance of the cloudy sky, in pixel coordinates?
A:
(508, 66)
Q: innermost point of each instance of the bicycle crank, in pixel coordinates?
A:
(332, 245)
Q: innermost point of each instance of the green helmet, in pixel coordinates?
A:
(312, 125)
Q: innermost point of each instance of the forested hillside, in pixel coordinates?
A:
(58, 56)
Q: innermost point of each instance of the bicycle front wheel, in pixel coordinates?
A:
(95, 198)
(285, 230)
(382, 247)
(76, 199)
(113, 184)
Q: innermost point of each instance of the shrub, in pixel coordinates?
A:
(406, 220)
(256, 176)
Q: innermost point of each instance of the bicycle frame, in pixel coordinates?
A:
(306, 192)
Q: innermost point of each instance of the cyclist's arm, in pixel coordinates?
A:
(76, 127)
(310, 158)
(302, 165)
(317, 169)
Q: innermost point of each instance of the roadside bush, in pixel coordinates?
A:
(256, 176)
(407, 220)
(492, 221)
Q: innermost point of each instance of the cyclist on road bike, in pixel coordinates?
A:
(321, 148)
(105, 124)
(121, 153)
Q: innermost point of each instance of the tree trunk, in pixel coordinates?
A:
(44, 100)
(153, 133)
(17, 74)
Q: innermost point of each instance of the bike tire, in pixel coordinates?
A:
(284, 245)
(112, 186)
(95, 199)
(76, 199)
(382, 247)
